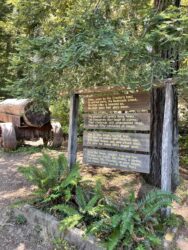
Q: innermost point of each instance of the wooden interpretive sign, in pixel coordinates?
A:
(117, 129)
(116, 140)
(125, 161)
(117, 102)
(116, 121)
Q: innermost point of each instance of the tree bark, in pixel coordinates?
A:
(157, 114)
(175, 141)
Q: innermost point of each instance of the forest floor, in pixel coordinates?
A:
(14, 188)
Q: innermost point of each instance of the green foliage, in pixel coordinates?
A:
(183, 140)
(20, 219)
(60, 244)
(60, 112)
(133, 226)
(77, 44)
(83, 209)
(27, 149)
(5, 44)
(53, 178)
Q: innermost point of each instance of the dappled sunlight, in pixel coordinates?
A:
(19, 193)
(21, 247)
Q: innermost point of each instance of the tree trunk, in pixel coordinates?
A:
(157, 115)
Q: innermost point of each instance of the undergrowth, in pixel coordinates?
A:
(132, 225)
(24, 149)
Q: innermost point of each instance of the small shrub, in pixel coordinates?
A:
(20, 219)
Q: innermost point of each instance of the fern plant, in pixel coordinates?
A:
(53, 178)
(84, 208)
(133, 226)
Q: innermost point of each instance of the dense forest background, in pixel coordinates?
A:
(48, 46)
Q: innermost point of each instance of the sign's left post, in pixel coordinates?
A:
(73, 124)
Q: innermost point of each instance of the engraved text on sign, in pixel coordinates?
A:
(117, 131)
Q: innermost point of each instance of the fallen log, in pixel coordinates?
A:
(29, 111)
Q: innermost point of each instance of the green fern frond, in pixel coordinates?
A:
(98, 226)
(47, 163)
(66, 209)
(81, 198)
(92, 202)
(70, 222)
(72, 178)
(155, 196)
(116, 220)
(114, 239)
(154, 201)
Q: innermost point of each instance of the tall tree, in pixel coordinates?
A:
(169, 53)
(5, 44)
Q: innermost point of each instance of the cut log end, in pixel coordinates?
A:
(36, 118)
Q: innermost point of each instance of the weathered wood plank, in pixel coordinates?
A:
(125, 121)
(167, 147)
(120, 160)
(15, 119)
(72, 141)
(115, 140)
(117, 102)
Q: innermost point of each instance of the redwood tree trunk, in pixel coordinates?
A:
(157, 114)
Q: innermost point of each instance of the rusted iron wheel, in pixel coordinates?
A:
(7, 136)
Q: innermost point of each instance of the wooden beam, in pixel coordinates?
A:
(72, 142)
(175, 153)
(167, 142)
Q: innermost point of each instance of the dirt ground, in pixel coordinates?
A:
(13, 188)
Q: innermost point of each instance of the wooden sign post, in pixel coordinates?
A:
(72, 142)
(134, 132)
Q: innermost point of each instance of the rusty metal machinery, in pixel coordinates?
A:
(23, 119)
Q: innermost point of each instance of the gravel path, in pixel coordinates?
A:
(13, 187)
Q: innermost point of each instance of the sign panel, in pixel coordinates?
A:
(118, 102)
(116, 121)
(121, 160)
(115, 140)
(117, 130)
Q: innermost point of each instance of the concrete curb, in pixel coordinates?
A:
(49, 228)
